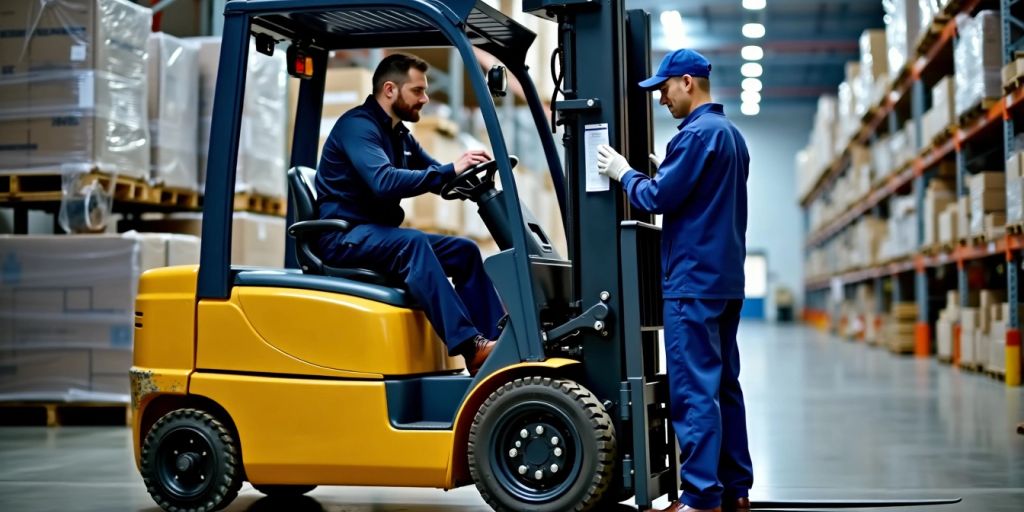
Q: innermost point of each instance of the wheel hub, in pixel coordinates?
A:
(537, 454)
(186, 463)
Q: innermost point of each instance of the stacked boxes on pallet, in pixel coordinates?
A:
(846, 115)
(948, 317)
(899, 329)
(942, 115)
(173, 75)
(344, 89)
(261, 143)
(1015, 189)
(901, 29)
(256, 240)
(939, 195)
(978, 60)
(874, 70)
(73, 89)
(987, 202)
(67, 311)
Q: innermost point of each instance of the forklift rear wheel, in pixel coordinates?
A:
(543, 445)
(190, 461)
(274, 490)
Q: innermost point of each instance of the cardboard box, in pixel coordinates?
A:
(262, 141)
(344, 89)
(73, 291)
(256, 240)
(1015, 165)
(173, 77)
(43, 373)
(103, 35)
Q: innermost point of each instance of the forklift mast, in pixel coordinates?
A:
(604, 51)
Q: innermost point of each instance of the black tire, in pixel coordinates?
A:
(190, 461)
(284, 491)
(568, 450)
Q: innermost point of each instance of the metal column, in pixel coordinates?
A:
(1013, 353)
(922, 331)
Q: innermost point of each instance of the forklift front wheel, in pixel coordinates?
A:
(190, 461)
(543, 445)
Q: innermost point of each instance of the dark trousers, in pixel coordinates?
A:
(707, 408)
(424, 262)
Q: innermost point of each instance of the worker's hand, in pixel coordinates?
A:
(471, 158)
(655, 159)
(611, 163)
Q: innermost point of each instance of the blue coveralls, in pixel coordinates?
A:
(700, 189)
(366, 169)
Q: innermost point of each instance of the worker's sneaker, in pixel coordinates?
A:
(677, 506)
(483, 348)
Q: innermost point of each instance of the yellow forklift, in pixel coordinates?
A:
(309, 375)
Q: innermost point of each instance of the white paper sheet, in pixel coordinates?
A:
(593, 136)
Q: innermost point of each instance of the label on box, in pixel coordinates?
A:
(78, 53)
(86, 92)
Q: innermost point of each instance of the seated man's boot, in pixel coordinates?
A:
(484, 347)
(739, 505)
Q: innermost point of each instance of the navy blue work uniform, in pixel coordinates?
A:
(700, 189)
(366, 169)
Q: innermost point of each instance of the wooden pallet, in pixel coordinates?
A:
(981, 239)
(57, 414)
(999, 375)
(947, 133)
(929, 35)
(977, 111)
(1015, 229)
(180, 197)
(49, 187)
(971, 367)
(944, 359)
(257, 203)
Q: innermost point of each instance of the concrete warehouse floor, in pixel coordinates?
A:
(828, 419)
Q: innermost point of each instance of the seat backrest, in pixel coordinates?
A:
(300, 184)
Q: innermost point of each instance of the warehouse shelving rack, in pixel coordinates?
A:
(909, 276)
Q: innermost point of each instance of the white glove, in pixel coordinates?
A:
(655, 159)
(611, 163)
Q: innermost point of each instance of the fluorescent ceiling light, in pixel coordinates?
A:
(750, 109)
(672, 27)
(754, 5)
(753, 30)
(751, 70)
(751, 84)
(752, 52)
(750, 97)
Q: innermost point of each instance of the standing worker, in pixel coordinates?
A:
(370, 163)
(701, 190)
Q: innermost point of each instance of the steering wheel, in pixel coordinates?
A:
(474, 181)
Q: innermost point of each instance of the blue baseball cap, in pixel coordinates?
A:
(679, 63)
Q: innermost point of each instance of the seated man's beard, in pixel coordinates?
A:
(405, 111)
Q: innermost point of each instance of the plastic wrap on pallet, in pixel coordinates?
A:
(67, 311)
(874, 66)
(173, 76)
(901, 29)
(977, 60)
(261, 144)
(73, 86)
(1014, 200)
(846, 116)
(927, 10)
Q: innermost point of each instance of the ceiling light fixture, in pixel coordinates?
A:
(751, 84)
(752, 52)
(750, 109)
(750, 97)
(751, 70)
(753, 30)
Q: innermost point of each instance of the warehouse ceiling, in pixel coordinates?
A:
(806, 42)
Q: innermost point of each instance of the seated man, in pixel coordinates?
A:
(369, 163)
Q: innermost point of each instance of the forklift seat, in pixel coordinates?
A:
(300, 184)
